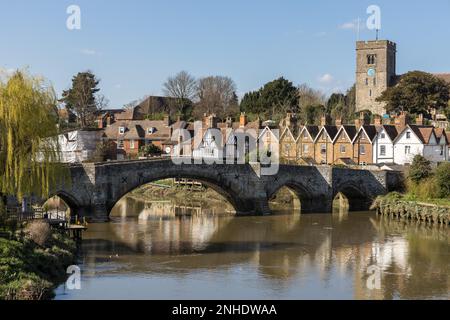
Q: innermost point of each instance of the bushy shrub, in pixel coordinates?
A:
(442, 178)
(420, 169)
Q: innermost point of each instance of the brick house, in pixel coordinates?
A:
(343, 144)
(324, 149)
(305, 143)
(128, 136)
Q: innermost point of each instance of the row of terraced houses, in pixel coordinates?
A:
(384, 141)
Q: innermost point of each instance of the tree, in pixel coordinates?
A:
(442, 176)
(273, 100)
(216, 94)
(311, 104)
(183, 87)
(28, 137)
(81, 99)
(342, 106)
(417, 92)
(420, 169)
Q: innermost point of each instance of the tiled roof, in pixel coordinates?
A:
(371, 131)
(391, 131)
(332, 131)
(351, 131)
(313, 131)
(422, 132)
(443, 76)
(139, 130)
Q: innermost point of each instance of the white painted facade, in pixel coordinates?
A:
(407, 146)
(210, 146)
(383, 148)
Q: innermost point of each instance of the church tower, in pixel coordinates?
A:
(375, 72)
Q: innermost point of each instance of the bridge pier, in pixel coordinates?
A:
(93, 213)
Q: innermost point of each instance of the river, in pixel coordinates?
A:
(156, 250)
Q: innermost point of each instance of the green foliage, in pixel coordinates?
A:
(29, 271)
(313, 113)
(416, 93)
(442, 179)
(276, 97)
(157, 116)
(81, 99)
(28, 121)
(150, 150)
(420, 169)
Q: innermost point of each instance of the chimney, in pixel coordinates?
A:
(166, 120)
(100, 122)
(243, 120)
(324, 120)
(229, 122)
(377, 121)
(338, 122)
(363, 120)
(419, 120)
(401, 120)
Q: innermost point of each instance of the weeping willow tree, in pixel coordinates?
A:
(29, 151)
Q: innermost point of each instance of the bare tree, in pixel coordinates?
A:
(183, 87)
(217, 95)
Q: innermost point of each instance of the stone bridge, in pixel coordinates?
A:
(95, 188)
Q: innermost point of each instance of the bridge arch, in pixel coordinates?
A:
(358, 198)
(227, 193)
(304, 197)
(68, 199)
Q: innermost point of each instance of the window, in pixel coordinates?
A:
(323, 149)
(371, 58)
(407, 150)
(362, 149)
(151, 130)
(363, 163)
(342, 149)
(120, 144)
(408, 135)
(374, 81)
(370, 92)
(442, 151)
(383, 136)
(121, 130)
(367, 82)
(132, 144)
(305, 149)
(382, 150)
(305, 134)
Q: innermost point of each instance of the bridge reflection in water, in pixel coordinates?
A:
(286, 256)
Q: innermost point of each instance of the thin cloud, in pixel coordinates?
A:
(326, 78)
(352, 25)
(90, 52)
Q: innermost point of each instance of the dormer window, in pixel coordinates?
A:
(121, 130)
(151, 130)
(408, 135)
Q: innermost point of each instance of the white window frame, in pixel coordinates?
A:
(382, 150)
(121, 130)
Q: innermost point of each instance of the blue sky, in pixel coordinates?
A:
(134, 45)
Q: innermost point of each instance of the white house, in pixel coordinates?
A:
(383, 146)
(79, 145)
(211, 146)
(418, 140)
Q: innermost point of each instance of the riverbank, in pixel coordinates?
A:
(33, 262)
(397, 206)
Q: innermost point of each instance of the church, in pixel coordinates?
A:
(376, 63)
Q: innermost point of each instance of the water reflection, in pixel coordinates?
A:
(282, 256)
